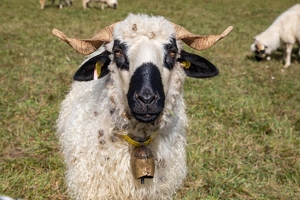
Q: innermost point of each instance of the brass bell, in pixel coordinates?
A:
(142, 163)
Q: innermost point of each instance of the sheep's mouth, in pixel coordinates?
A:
(260, 55)
(145, 118)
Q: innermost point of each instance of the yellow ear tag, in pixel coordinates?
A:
(186, 64)
(98, 68)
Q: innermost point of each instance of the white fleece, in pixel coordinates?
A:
(95, 114)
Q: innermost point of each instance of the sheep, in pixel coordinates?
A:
(104, 3)
(285, 30)
(7, 198)
(126, 107)
(67, 2)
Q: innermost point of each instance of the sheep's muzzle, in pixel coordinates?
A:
(146, 95)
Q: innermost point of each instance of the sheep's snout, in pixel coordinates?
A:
(258, 58)
(259, 51)
(261, 55)
(146, 95)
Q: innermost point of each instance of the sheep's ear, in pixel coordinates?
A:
(196, 66)
(94, 68)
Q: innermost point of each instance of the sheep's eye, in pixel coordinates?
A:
(117, 52)
(172, 52)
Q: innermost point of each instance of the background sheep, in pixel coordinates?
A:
(284, 30)
(104, 3)
(67, 3)
(137, 94)
(7, 198)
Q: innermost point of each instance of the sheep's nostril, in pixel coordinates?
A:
(146, 98)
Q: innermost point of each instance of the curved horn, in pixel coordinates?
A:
(87, 46)
(197, 41)
(259, 46)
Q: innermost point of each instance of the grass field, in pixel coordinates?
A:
(244, 128)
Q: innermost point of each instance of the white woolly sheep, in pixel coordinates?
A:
(284, 30)
(104, 3)
(7, 198)
(67, 3)
(126, 107)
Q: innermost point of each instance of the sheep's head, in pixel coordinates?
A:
(144, 51)
(260, 51)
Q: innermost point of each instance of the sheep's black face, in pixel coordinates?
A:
(259, 54)
(146, 95)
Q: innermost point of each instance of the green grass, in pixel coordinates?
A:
(244, 128)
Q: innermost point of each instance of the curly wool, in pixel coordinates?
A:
(98, 160)
(91, 120)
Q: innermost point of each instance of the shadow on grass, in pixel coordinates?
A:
(278, 56)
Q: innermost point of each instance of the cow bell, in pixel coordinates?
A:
(142, 163)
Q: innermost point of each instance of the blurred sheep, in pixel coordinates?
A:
(67, 3)
(285, 30)
(104, 3)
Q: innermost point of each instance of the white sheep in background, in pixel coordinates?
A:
(104, 3)
(67, 3)
(284, 30)
(127, 96)
(7, 198)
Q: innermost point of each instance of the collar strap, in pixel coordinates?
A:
(136, 143)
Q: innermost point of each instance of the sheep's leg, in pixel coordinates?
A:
(85, 3)
(68, 2)
(42, 2)
(288, 53)
(60, 4)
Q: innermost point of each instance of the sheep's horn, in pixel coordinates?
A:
(259, 46)
(197, 41)
(87, 46)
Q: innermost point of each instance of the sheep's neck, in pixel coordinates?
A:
(138, 143)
